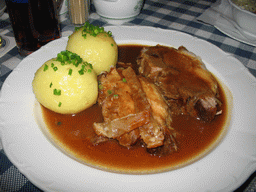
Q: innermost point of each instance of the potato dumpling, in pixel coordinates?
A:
(95, 46)
(66, 84)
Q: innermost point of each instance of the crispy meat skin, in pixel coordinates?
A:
(182, 78)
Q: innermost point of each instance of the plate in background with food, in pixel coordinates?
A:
(224, 166)
(238, 20)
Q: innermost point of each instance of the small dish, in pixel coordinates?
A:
(118, 11)
(245, 19)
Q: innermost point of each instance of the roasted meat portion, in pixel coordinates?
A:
(133, 110)
(162, 119)
(183, 80)
(137, 107)
(122, 114)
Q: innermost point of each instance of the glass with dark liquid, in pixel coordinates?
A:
(34, 23)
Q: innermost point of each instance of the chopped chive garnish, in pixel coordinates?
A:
(124, 80)
(88, 28)
(81, 71)
(100, 86)
(109, 92)
(109, 33)
(90, 65)
(51, 85)
(59, 104)
(70, 72)
(45, 67)
(116, 95)
(57, 92)
(69, 57)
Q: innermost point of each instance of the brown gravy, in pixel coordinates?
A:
(75, 131)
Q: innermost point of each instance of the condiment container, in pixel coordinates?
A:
(79, 11)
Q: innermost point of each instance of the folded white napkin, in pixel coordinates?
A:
(212, 15)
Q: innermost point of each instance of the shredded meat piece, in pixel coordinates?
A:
(169, 145)
(124, 65)
(130, 138)
(152, 134)
(120, 126)
(124, 106)
(99, 139)
(160, 109)
(137, 93)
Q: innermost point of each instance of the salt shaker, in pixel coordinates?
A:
(79, 11)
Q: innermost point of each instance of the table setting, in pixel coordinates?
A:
(30, 162)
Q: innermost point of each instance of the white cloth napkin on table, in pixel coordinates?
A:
(210, 16)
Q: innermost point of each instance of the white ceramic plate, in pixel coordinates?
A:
(224, 169)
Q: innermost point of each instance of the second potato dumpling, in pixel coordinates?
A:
(94, 45)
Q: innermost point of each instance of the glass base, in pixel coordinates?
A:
(24, 53)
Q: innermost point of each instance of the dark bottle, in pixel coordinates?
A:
(34, 23)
